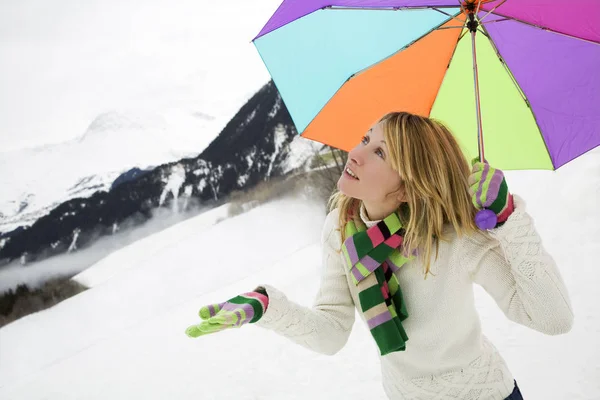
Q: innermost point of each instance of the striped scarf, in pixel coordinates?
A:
(366, 250)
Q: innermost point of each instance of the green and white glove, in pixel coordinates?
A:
(490, 195)
(246, 308)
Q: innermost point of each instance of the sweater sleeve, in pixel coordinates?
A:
(514, 268)
(324, 327)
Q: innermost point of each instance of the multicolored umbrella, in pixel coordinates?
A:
(523, 74)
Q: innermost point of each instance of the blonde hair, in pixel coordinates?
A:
(434, 172)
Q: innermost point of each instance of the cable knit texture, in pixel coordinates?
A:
(447, 356)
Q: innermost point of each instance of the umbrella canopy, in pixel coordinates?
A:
(341, 65)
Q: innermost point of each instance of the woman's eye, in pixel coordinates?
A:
(379, 152)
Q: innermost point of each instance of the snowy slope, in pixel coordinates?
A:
(136, 254)
(124, 337)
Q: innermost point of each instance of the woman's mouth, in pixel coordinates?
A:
(349, 173)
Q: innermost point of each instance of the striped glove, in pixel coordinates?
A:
(490, 195)
(246, 308)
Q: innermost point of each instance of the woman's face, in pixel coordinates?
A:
(369, 176)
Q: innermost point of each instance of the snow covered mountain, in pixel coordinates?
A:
(260, 142)
(34, 181)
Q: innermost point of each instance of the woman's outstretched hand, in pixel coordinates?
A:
(490, 195)
(246, 308)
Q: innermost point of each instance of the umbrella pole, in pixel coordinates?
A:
(484, 218)
(473, 24)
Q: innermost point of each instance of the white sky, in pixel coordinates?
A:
(64, 62)
(124, 338)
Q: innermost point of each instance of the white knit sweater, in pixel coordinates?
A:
(447, 356)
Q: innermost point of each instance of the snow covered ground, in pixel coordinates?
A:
(124, 337)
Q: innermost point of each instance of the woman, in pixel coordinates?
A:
(406, 238)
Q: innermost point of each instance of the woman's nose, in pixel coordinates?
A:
(355, 156)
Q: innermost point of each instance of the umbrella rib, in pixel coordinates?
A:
(478, 6)
(547, 29)
(491, 11)
(403, 8)
(450, 27)
(450, 15)
(512, 77)
(399, 50)
(462, 8)
(496, 20)
(480, 30)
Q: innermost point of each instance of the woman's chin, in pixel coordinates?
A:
(342, 186)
